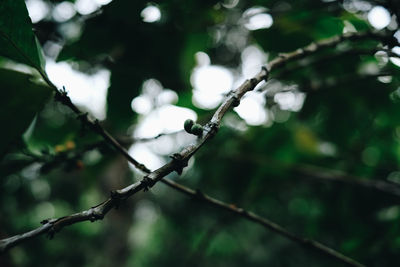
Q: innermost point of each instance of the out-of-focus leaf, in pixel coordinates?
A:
(17, 40)
(20, 99)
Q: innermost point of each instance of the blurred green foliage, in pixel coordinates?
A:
(348, 122)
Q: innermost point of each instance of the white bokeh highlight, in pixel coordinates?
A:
(257, 18)
(253, 58)
(151, 14)
(103, 2)
(64, 11)
(142, 104)
(165, 119)
(37, 9)
(379, 17)
(396, 60)
(292, 101)
(144, 154)
(252, 110)
(86, 7)
(210, 83)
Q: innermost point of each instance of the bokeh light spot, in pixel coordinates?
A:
(151, 14)
(379, 17)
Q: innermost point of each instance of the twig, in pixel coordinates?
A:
(52, 226)
(337, 176)
(326, 174)
(282, 59)
(179, 160)
(149, 139)
(61, 96)
(308, 243)
(329, 57)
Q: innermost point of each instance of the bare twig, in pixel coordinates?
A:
(149, 139)
(326, 174)
(282, 59)
(308, 243)
(341, 177)
(179, 160)
(52, 226)
(330, 57)
(61, 96)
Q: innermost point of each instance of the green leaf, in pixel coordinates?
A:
(17, 40)
(20, 99)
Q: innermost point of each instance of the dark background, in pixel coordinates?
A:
(349, 122)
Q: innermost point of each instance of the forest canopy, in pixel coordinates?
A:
(199, 133)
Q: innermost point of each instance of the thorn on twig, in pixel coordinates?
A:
(253, 82)
(242, 211)
(51, 233)
(94, 217)
(235, 97)
(83, 117)
(148, 183)
(236, 101)
(142, 167)
(115, 196)
(213, 128)
(96, 125)
(266, 70)
(179, 162)
(61, 95)
(199, 194)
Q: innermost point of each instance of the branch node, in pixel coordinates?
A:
(142, 167)
(94, 217)
(235, 97)
(267, 70)
(53, 229)
(313, 46)
(45, 221)
(83, 117)
(179, 162)
(96, 125)
(253, 82)
(114, 195)
(51, 233)
(282, 55)
(148, 183)
(199, 194)
(62, 96)
(213, 127)
(236, 101)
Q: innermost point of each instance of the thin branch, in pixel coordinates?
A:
(179, 160)
(149, 139)
(276, 228)
(61, 96)
(326, 174)
(330, 57)
(52, 226)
